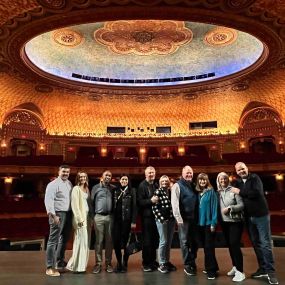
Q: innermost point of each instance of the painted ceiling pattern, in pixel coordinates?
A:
(143, 53)
(144, 37)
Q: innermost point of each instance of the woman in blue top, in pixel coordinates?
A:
(208, 216)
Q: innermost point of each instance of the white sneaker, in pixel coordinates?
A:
(232, 272)
(239, 276)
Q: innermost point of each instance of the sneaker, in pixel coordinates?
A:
(147, 268)
(163, 268)
(97, 269)
(109, 268)
(118, 268)
(232, 272)
(239, 276)
(52, 272)
(170, 266)
(211, 275)
(272, 278)
(259, 273)
(190, 270)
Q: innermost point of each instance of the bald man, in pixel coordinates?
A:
(184, 201)
(250, 188)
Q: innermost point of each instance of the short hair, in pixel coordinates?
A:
(221, 174)
(205, 177)
(149, 167)
(240, 162)
(64, 166)
(186, 167)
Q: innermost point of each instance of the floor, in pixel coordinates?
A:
(28, 268)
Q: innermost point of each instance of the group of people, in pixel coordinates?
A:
(196, 208)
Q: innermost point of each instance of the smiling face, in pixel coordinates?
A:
(164, 182)
(63, 173)
(187, 173)
(203, 183)
(150, 174)
(124, 181)
(241, 170)
(106, 177)
(82, 178)
(224, 181)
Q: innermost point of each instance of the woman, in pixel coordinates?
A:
(165, 223)
(125, 215)
(208, 213)
(231, 207)
(79, 204)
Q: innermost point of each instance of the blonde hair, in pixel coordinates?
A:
(77, 178)
(162, 177)
(222, 174)
(205, 177)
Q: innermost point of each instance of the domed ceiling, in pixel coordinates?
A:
(143, 52)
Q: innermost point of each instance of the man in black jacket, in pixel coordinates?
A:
(146, 199)
(250, 188)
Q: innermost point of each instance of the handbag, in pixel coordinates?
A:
(133, 245)
(236, 215)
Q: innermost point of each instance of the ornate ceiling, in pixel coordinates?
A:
(143, 52)
(58, 24)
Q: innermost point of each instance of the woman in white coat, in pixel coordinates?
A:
(79, 204)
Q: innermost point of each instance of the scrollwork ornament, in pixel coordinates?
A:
(53, 4)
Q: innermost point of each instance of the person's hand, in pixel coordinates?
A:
(235, 190)
(56, 220)
(80, 225)
(133, 226)
(154, 199)
(212, 228)
(226, 210)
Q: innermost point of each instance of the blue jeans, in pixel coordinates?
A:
(188, 236)
(165, 231)
(260, 235)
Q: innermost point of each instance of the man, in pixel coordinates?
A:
(57, 203)
(184, 205)
(250, 188)
(150, 236)
(101, 199)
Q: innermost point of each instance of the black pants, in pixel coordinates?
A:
(150, 240)
(207, 239)
(233, 232)
(121, 231)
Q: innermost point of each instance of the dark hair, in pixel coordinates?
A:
(129, 180)
(205, 177)
(64, 166)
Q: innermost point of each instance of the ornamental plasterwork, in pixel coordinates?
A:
(23, 117)
(67, 37)
(261, 114)
(220, 37)
(144, 37)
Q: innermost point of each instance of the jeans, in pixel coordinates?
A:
(260, 235)
(58, 238)
(165, 231)
(188, 236)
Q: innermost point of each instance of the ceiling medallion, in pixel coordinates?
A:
(190, 96)
(67, 37)
(144, 37)
(43, 88)
(242, 86)
(221, 36)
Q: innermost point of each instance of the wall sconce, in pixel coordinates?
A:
(181, 150)
(103, 151)
(242, 145)
(8, 180)
(279, 177)
(42, 146)
(142, 150)
(3, 143)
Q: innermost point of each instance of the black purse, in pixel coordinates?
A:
(133, 245)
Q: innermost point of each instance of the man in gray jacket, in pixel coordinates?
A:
(101, 199)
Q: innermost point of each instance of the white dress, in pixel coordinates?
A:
(80, 252)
